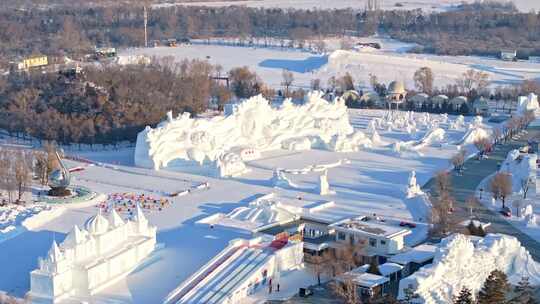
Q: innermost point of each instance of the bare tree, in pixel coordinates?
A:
(288, 79)
(23, 171)
(517, 204)
(458, 160)
(345, 288)
(526, 184)
(316, 266)
(482, 145)
(316, 84)
(442, 182)
(423, 80)
(471, 203)
(441, 220)
(472, 80)
(501, 186)
(8, 181)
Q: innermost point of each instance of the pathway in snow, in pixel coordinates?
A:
(465, 184)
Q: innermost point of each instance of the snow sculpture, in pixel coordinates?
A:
(464, 260)
(254, 123)
(375, 137)
(89, 259)
(527, 103)
(472, 135)
(458, 123)
(349, 143)
(521, 167)
(528, 210)
(413, 189)
(324, 186)
(230, 165)
(531, 221)
(280, 180)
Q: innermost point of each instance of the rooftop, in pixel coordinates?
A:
(419, 254)
(372, 226)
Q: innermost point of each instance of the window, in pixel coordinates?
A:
(341, 236)
(383, 242)
(372, 242)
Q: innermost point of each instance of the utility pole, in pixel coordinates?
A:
(145, 25)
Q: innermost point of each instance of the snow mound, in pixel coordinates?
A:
(467, 261)
(261, 212)
(253, 124)
(527, 103)
(472, 135)
(521, 166)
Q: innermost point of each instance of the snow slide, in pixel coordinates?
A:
(467, 261)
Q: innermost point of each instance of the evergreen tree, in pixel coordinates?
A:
(524, 293)
(494, 289)
(464, 297)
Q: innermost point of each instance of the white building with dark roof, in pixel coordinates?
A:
(89, 259)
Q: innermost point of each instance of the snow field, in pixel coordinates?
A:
(388, 64)
(369, 180)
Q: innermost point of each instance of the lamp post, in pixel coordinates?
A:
(481, 191)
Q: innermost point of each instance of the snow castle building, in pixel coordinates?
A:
(89, 259)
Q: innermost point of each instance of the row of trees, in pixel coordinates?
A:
(19, 167)
(114, 103)
(497, 290)
(58, 29)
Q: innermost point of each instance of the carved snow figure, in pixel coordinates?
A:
(413, 189)
(324, 186)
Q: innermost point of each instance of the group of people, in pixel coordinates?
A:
(125, 203)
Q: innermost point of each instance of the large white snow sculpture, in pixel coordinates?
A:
(527, 103)
(413, 189)
(92, 258)
(253, 124)
(464, 260)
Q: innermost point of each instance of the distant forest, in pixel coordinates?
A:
(478, 29)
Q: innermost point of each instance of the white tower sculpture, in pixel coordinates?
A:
(413, 189)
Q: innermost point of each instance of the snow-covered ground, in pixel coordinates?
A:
(525, 211)
(388, 64)
(373, 180)
(425, 5)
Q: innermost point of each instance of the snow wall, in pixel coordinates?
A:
(254, 124)
(467, 261)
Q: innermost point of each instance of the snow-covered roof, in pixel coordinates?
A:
(389, 268)
(418, 254)
(369, 280)
(370, 226)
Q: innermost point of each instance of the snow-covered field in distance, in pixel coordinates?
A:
(426, 5)
(388, 64)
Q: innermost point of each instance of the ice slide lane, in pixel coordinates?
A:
(464, 186)
(190, 285)
(216, 276)
(225, 287)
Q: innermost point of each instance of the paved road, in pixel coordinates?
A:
(464, 186)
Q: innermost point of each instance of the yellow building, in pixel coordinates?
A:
(33, 62)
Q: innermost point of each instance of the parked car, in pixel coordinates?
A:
(407, 224)
(506, 212)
